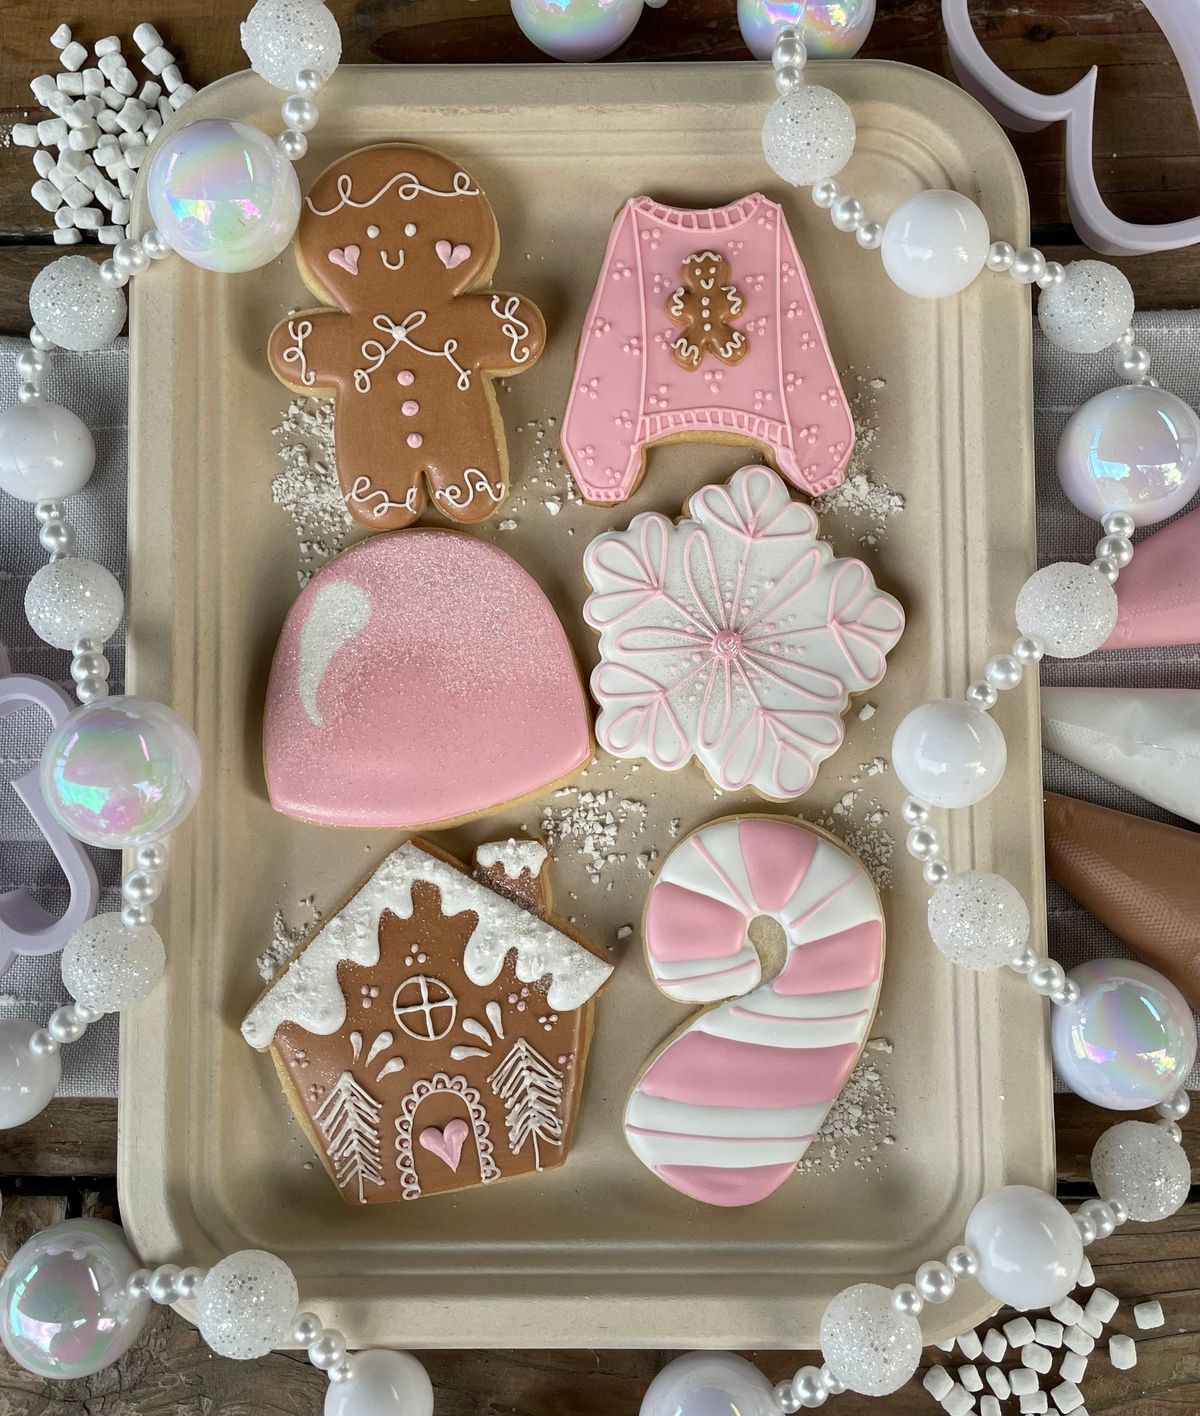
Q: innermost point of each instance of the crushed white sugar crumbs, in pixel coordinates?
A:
(861, 1124)
(287, 938)
(307, 487)
(864, 502)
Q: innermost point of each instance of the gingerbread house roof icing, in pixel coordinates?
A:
(432, 1034)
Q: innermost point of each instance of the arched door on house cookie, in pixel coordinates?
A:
(443, 1139)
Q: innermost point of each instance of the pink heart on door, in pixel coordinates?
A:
(346, 257)
(451, 256)
(447, 1143)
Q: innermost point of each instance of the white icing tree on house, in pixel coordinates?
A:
(349, 1121)
(531, 1090)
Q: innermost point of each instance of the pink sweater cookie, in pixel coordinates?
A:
(703, 324)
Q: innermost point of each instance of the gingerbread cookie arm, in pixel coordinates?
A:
(303, 350)
(600, 440)
(511, 332)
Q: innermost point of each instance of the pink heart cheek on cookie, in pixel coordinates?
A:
(727, 1109)
(446, 1143)
(346, 257)
(451, 256)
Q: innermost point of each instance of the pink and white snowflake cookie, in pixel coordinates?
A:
(734, 636)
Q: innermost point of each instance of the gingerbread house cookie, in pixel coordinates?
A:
(432, 1034)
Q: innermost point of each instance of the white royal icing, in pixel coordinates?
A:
(515, 856)
(340, 610)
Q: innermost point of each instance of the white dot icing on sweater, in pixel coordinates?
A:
(514, 856)
(340, 611)
(308, 993)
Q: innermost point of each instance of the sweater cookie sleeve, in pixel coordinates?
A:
(598, 437)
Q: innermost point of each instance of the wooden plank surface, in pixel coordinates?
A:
(1147, 154)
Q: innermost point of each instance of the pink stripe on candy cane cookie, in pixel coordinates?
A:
(851, 959)
(716, 1071)
(682, 924)
(744, 1185)
(776, 860)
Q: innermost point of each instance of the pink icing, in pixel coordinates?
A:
(851, 959)
(405, 378)
(1158, 594)
(776, 860)
(714, 1186)
(346, 257)
(628, 392)
(451, 256)
(458, 693)
(414, 439)
(717, 1071)
(410, 407)
(446, 1143)
(684, 925)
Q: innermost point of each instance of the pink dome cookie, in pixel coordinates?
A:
(421, 678)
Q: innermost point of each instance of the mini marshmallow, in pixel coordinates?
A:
(58, 103)
(43, 163)
(93, 82)
(1122, 1352)
(74, 56)
(970, 1378)
(78, 114)
(1036, 1358)
(1048, 1332)
(995, 1345)
(122, 209)
(46, 194)
(110, 235)
(1079, 1341)
(113, 99)
(945, 1344)
(125, 181)
(67, 236)
(106, 121)
(1067, 1397)
(998, 1382)
(62, 180)
(182, 94)
(171, 78)
(150, 93)
(151, 124)
(958, 1402)
(107, 151)
(989, 1406)
(1086, 1276)
(64, 217)
(135, 155)
(110, 44)
(70, 84)
(158, 59)
(111, 65)
(124, 82)
(938, 1382)
(1019, 1331)
(1148, 1315)
(129, 120)
(1022, 1381)
(43, 86)
(1090, 1323)
(108, 195)
(1067, 1311)
(61, 37)
(89, 219)
(1035, 1402)
(84, 139)
(51, 131)
(90, 177)
(147, 38)
(1072, 1367)
(969, 1344)
(164, 106)
(25, 135)
(1102, 1304)
(77, 195)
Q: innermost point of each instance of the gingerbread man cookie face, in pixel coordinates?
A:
(704, 305)
(403, 242)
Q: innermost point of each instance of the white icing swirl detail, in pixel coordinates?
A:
(514, 328)
(408, 188)
(375, 352)
(294, 353)
(476, 483)
(361, 493)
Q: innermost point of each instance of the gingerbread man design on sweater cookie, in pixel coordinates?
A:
(404, 242)
(703, 327)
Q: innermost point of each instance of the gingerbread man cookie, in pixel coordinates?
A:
(404, 243)
(704, 304)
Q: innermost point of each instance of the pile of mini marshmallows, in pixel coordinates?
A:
(101, 124)
(1072, 1328)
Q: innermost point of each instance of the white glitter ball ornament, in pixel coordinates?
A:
(281, 37)
(868, 1345)
(246, 1305)
(71, 306)
(108, 966)
(808, 136)
(1070, 607)
(978, 919)
(72, 599)
(1144, 1167)
(1088, 309)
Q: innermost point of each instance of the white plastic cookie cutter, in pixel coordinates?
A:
(1024, 110)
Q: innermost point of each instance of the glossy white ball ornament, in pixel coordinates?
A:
(64, 1309)
(108, 966)
(223, 195)
(948, 753)
(935, 244)
(282, 37)
(1134, 450)
(46, 451)
(866, 1344)
(831, 29)
(1028, 1247)
(577, 30)
(1071, 608)
(1140, 1165)
(808, 135)
(978, 919)
(382, 1383)
(708, 1384)
(246, 1305)
(73, 599)
(1130, 1040)
(28, 1079)
(1088, 309)
(71, 305)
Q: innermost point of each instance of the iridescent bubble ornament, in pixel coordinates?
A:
(223, 195)
(121, 772)
(28, 1079)
(831, 29)
(63, 1308)
(1129, 1042)
(577, 30)
(1133, 449)
(709, 1384)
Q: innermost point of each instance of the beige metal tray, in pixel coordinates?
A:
(598, 1253)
